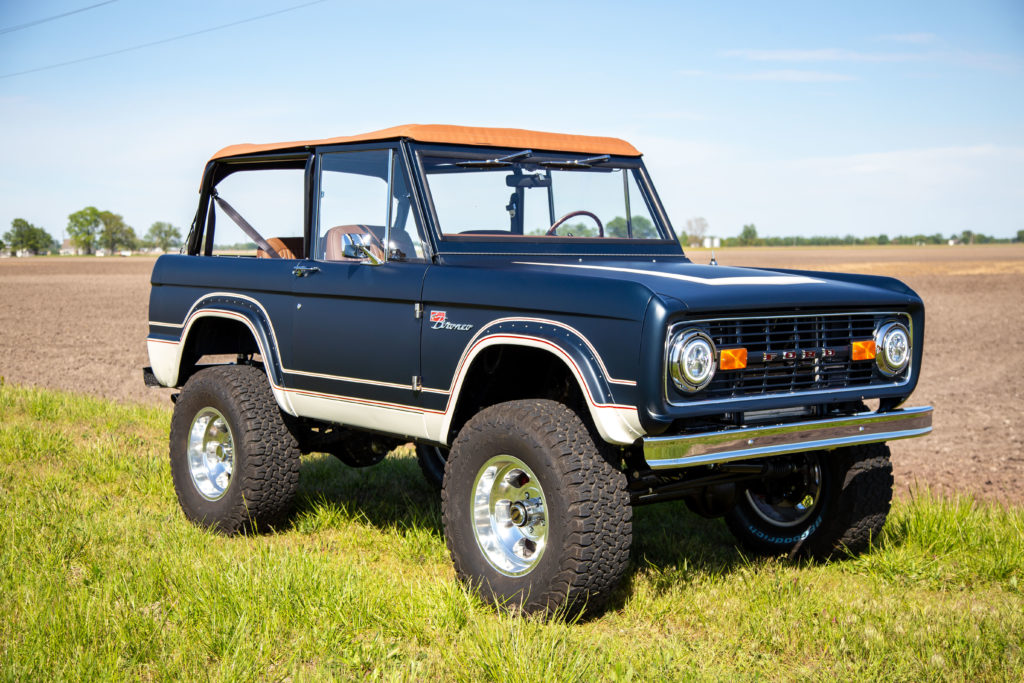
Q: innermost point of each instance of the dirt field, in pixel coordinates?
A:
(80, 324)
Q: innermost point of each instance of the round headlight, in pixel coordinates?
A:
(691, 360)
(892, 344)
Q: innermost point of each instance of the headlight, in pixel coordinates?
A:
(892, 344)
(691, 360)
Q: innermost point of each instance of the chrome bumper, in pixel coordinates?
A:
(662, 452)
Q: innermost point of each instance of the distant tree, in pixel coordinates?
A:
(696, 228)
(642, 227)
(25, 236)
(1020, 236)
(967, 237)
(84, 227)
(748, 236)
(164, 235)
(883, 239)
(115, 233)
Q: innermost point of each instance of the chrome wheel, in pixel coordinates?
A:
(795, 506)
(509, 515)
(211, 453)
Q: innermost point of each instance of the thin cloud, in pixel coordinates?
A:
(821, 55)
(776, 75)
(908, 38)
(795, 76)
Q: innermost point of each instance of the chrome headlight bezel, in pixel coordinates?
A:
(891, 340)
(692, 347)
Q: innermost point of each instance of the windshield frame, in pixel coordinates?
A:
(556, 244)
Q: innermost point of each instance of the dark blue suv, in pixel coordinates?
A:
(517, 304)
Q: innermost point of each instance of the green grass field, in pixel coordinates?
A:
(101, 577)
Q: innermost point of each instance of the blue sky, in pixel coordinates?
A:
(803, 118)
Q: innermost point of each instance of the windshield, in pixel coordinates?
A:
(530, 196)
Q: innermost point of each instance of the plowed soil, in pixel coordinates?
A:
(80, 324)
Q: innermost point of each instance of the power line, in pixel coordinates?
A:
(160, 42)
(11, 29)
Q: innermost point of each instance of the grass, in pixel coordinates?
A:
(102, 578)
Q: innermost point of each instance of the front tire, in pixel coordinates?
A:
(533, 515)
(432, 461)
(234, 463)
(835, 503)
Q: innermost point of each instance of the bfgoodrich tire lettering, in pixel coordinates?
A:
(586, 508)
(849, 510)
(265, 473)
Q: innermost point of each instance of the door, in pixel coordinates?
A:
(356, 331)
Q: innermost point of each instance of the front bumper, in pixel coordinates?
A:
(663, 452)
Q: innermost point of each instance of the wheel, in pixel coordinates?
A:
(432, 460)
(234, 464)
(834, 503)
(533, 515)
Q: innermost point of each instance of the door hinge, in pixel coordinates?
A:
(417, 309)
(417, 383)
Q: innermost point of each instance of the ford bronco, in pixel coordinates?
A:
(517, 305)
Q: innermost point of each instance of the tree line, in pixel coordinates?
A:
(748, 237)
(89, 231)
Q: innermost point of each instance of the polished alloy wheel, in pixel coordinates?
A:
(793, 508)
(211, 453)
(509, 515)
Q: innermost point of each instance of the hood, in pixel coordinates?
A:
(720, 288)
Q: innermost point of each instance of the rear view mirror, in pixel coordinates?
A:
(527, 180)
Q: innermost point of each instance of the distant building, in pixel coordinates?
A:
(68, 248)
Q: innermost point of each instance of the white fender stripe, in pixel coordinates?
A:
(712, 281)
(616, 423)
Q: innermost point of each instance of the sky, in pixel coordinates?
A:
(802, 118)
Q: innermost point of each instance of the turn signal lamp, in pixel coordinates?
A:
(733, 359)
(863, 350)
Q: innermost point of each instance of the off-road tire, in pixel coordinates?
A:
(853, 504)
(265, 477)
(432, 461)
(588, 509)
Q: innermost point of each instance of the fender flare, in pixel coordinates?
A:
(166, 349)
(617, 422)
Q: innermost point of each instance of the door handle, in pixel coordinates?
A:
(303, 271)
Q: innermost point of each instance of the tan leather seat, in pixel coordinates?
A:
(286, 247)
(334, 247)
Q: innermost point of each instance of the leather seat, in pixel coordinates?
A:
(286, 247)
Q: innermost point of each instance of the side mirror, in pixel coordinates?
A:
(358, 246)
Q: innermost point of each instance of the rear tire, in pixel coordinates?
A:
(836, 505)
(533, 515)
(234, 464)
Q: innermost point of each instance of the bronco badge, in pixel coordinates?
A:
(439, 321)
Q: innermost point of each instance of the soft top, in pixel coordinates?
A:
(458, 135)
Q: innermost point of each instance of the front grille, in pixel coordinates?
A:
(791, 354)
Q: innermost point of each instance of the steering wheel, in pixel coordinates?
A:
(600, 226)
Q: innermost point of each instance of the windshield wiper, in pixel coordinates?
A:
(500, 162)
(569, 165)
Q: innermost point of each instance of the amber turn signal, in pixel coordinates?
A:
(863, 350)
(733, 359)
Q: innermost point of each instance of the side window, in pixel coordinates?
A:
(355, 193)
(269, 200)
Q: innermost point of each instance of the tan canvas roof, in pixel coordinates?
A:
(460, 135)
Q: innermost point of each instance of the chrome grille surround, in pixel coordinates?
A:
(761, 334)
